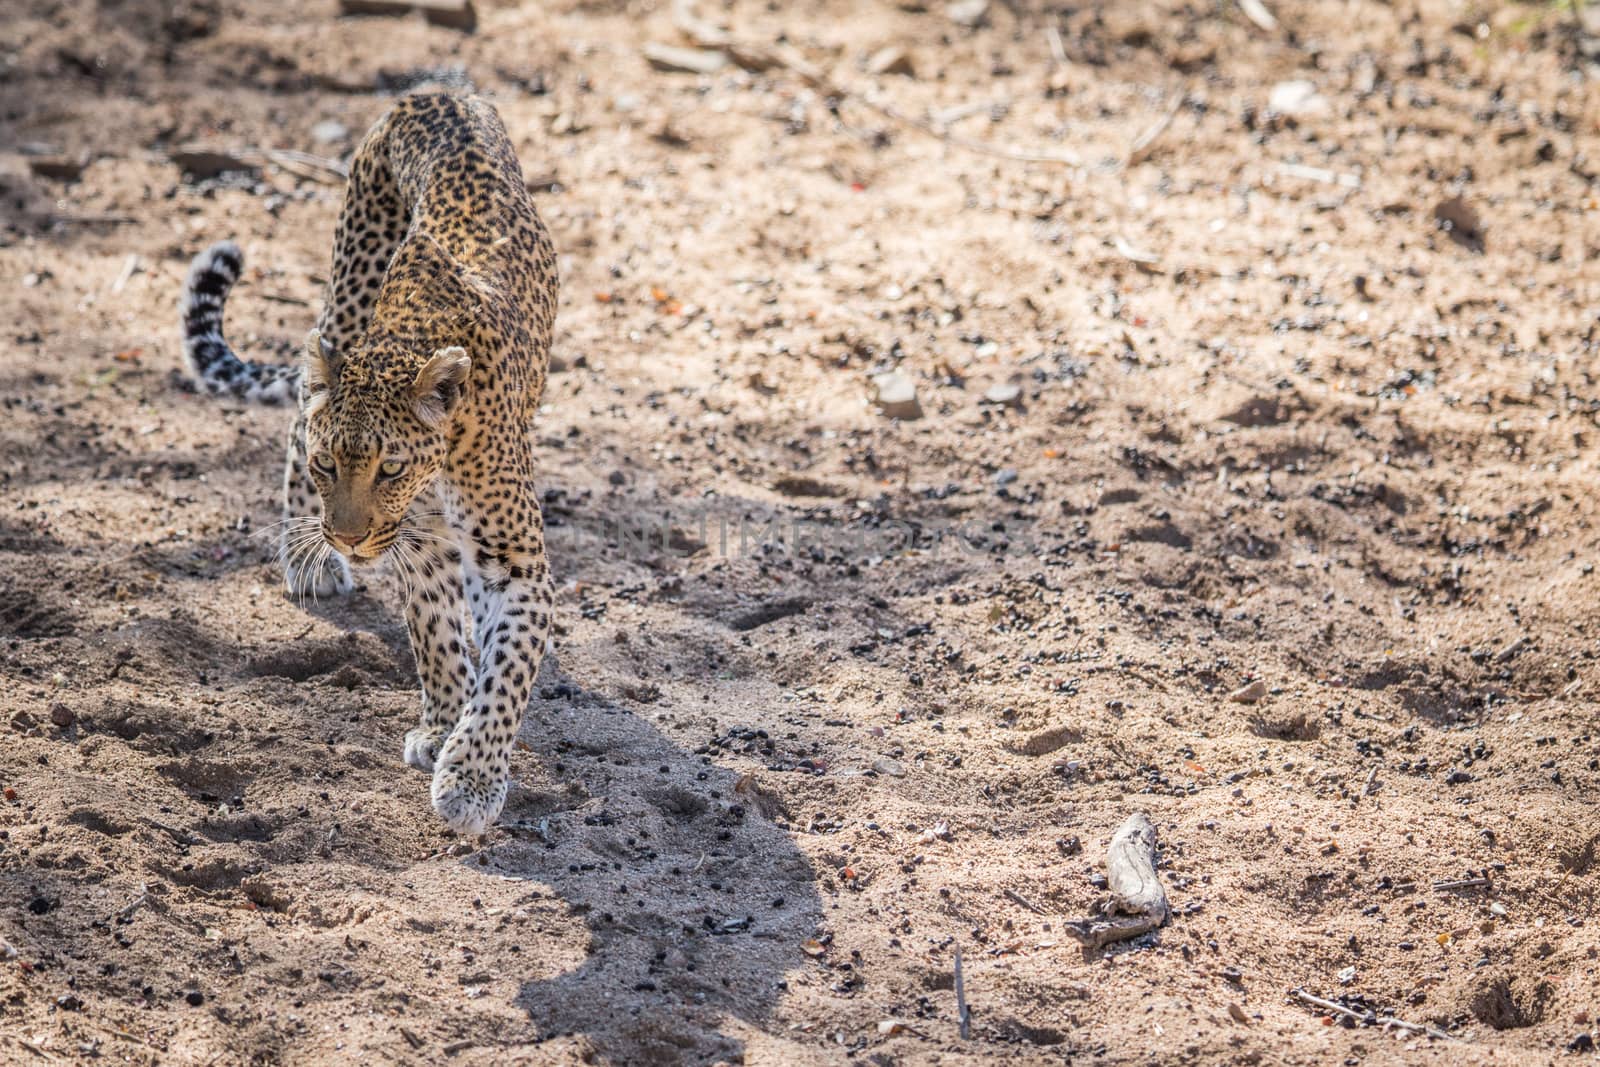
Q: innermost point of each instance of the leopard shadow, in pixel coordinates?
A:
(695, 896)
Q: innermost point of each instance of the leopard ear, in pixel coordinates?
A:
(320, 362)
(439, 383)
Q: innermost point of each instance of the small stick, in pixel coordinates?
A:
(1366, 790)
(129, 266)
(1320, 174)
(35, 1049)
(981, 147)
(1143, 144)
(128, 909)
(1462, 883)
(93, 220)
(1058, 50)
(1018, 898)
(963, 1013)
(1381, 1020)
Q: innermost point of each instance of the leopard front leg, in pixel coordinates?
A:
(511, 612)
(310, 565)
(435, 611)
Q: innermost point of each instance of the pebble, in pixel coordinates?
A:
(1298, 97)
(62, 715)
(1250, 694)
(896, 394)
(1006, 394)
(967, 12)
(891, 60)
(329, 131)
(893, 768)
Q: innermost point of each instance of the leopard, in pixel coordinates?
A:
(412, 440)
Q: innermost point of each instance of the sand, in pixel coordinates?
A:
(1240, 411)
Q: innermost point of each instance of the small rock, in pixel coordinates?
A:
(199, 164)
(1457, 777)
(893, 768)
(674, 60)
(1005, 394)
(57, 168)
(62, 715)
(891, 60)
(329, 131)
(967, 12)
(195, 998)
(1298, 97)
(896, 394)
(567, 122)
(1005, 476)
(1253, 693)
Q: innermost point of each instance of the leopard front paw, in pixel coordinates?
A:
(422, 746)
(467, 798)
(330, 577)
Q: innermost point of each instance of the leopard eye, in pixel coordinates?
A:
(323, 461)
(391, 468)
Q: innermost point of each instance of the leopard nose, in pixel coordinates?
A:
(348, 540)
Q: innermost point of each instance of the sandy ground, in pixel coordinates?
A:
(1271, 422)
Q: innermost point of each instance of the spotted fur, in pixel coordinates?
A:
(210, 360)
(417, 393)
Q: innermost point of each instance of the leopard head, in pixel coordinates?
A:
(377, 428)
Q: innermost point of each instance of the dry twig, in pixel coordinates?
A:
(963, 1013)
(1144, 144)
(1386, 1021)
(1018, 898)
